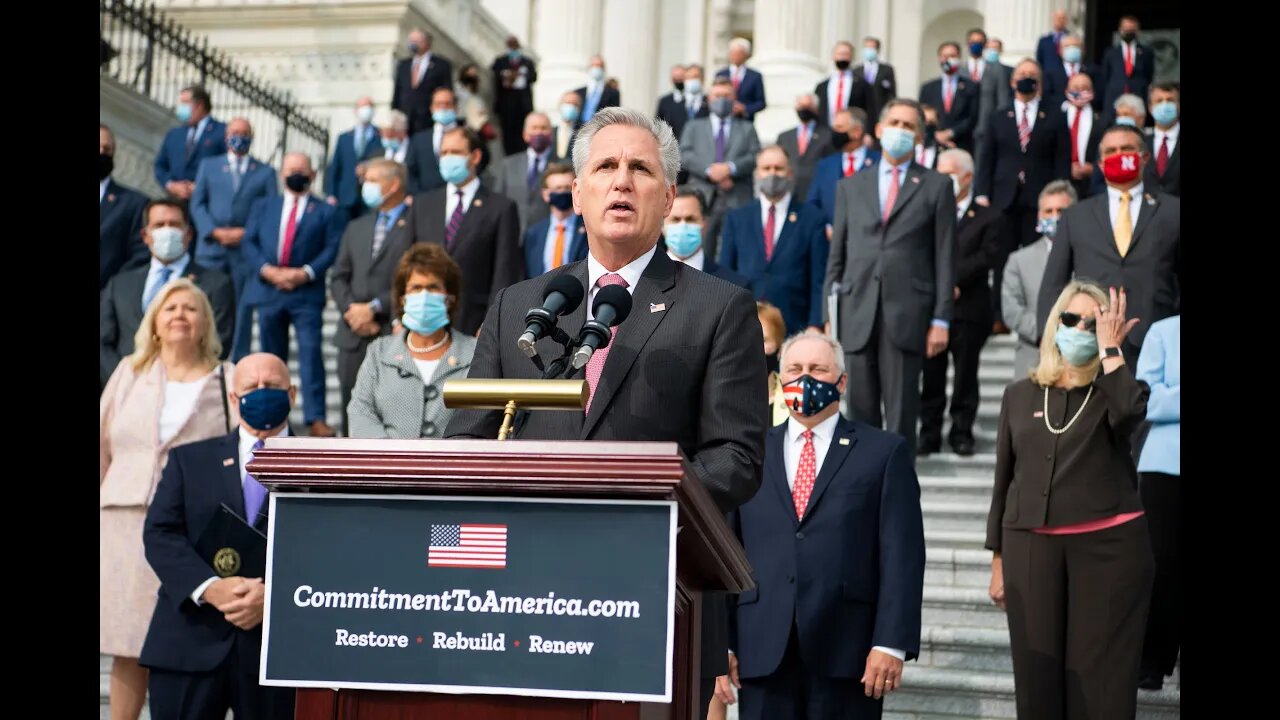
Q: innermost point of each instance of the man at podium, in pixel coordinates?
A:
(684, 366)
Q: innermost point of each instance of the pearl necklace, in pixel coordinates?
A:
(1073, 419)
(408, 340)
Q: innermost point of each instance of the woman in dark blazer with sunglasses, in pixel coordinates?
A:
(1072, 563)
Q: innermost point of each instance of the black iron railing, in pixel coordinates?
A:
(146, 50)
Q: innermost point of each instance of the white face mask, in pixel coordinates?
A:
(166, 244)
(364, 114)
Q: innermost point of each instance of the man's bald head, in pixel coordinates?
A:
(239, 126)
(259, 370)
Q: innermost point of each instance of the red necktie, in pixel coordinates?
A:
(737, 79)
(595, 365)
(1071, 70)
(839, 103)
(920, 155)
(802, 138)
(947, 93)
(413, 81)
(1075, 136)
(848, 164)
(1162, 157)
(769, 226)
(1128, 61)
(806, 472)
(1024, 130)
(977, 71)
(290, 228)
(892, 196)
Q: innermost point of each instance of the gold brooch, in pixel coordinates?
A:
(226, 562)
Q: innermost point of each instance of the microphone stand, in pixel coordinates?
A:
(549, 372)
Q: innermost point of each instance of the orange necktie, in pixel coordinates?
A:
(558, 260)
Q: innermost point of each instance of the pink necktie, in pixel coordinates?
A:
(892, 196)
(806, 473)
(595, 365)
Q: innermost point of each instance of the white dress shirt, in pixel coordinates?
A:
(834, 103)
(1135, 204)
(779, 216)
(693, 103)
(823, 433)
(1070, 69)
(1082, 134)
(696, 261)
(177, 268)
(977, 68)
(1160, 135)
(300, 208)
(179, 403)
(962, 206)
(247, 442)
(630, 272)
(564, 133)
(925, 155)
(451, 198)
(238, 163)
(1032, 108)
(437, 134)
(102, 188)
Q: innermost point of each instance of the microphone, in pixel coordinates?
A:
(611, 307)
(563, 296)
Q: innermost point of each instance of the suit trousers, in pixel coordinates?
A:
(1077, 609)
(882, 369)
(1020, 231)
(273, 334)
(965, 347)
(348, 370)
(208, 696)
(1162, 499)
(797, 692)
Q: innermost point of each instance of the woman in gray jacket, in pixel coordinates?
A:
(399, 390)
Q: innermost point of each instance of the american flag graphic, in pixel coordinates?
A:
(468, 546)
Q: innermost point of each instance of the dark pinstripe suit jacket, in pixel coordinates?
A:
(692, 373)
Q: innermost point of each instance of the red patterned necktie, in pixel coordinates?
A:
(1162, 157)
(769, 226)
(290, 229)
(805, 474)
(1075, 137)
(948, 92)
(1024, 130)
(595, 365)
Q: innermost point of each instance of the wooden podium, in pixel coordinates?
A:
(708, 556)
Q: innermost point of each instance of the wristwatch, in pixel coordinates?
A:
(1110, 352)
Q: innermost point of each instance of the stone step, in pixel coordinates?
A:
(972, 539)
(957, 567)
(955, 515)
(947, 606)
(941, 488)
(948, 464)
(944, 694)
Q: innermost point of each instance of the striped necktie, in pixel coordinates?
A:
(455, 220)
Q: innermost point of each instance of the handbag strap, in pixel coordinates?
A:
(226, 408)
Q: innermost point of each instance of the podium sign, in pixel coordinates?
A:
(543, 597)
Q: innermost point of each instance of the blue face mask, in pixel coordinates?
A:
(1071, 54)
(514, 54)
(239, 144)
(569, 112)
(991, 55)
(1126, 120)
(453, 168)
(444, 117)
(683, 239)
(265, 408)
(809, 396)
(392, 144)
(371, 193)
(1047, 226)
(1165, 113)
(975, 48)
(1078, 347)
(425, 312)
(183, 112)
(896, 142)
(561, 200)
(870, 54)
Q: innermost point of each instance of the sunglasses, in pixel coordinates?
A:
(1071, 319)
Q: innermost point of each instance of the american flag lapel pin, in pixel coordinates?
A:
(1037, 414)
(453, 361)
(1151, 200)
(657, 307)
(400, 222)
(477, 203)
(844, 441)
(228, 462)
(970, 213)
(791, 217)
(1041, 114)
(111, 198)
(915, 180)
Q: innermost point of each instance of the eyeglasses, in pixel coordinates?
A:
(1071, 319)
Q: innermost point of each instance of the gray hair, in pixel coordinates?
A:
(741, 42)
(1131, 101)
(836, 348)
(397, 120)
(961, 158)
(908, 102)
(668, 148)
(1058, 187)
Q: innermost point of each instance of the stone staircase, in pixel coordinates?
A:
(964, 670)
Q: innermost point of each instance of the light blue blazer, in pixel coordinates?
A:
(1160, 366)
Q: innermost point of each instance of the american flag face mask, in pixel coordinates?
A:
(808, 395)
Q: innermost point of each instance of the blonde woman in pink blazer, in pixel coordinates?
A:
(170, 391)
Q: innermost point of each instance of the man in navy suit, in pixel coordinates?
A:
(342, 178)
(1058, 73)
(561, 238)
(417, 77)
(120, 245)
(682, 236)
(595, 95)
(956, 98)
(202, 648)
(748, 84)
(186, 146)
(1047, 49)
(852, 155)
(1129, 67)
(289, 245)
(422, 159)
(226, 189)
(779, 244)
(835, 538)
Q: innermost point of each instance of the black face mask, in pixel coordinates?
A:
(842, 65)
(471, 81)
(679, 85)
(106, 164)
(1026, 86)
(806, 115)
(297, 182)
(1128, 36)
(839, 140)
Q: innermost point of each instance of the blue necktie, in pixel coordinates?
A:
(165, 273)
(360, 141)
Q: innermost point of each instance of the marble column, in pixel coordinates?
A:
(840, 22)
(630, 50)
(1019, 23)
(566, 33)
(788, 52)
